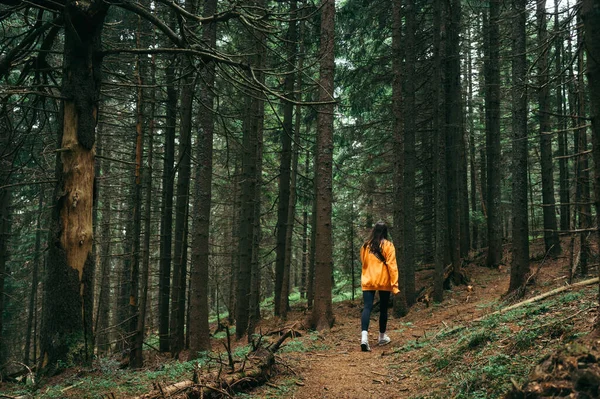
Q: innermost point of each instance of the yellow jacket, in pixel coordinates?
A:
(377, 276)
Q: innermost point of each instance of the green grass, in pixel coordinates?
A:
(483, 359)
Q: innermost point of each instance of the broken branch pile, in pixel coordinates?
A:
(254, 371)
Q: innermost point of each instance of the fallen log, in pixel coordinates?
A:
(255, 370)
(542, 296)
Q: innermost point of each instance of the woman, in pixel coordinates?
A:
(379, 273)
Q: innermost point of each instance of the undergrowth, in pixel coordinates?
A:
(486, 358)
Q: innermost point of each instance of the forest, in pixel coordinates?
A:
(186, 185)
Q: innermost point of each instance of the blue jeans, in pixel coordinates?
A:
(368, 298)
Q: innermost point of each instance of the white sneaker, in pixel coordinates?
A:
(384, 340)
(364, 346)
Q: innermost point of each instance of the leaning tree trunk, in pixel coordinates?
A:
(66, 334)
(520, 229)
(198, 324)
(590, 13)
(322, 313)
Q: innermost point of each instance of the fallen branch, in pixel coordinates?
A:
(256, 370)
(543, 296)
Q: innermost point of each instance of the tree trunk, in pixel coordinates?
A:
(428, 245)
(408, 186)
(281, 266)
(310, 284)
(583, 174)
(37, 263)
(492, 104)
(520, 230)
(234, 255)
(400, 301)
(102, 340)
(590, 13)
(68, 297)
(135, 356)
(166, 212)
(441, 218)
(454, 134)
(181, 214)
(198, 325)
(258, 122)
(322, 314)
(463, 189)
(4, 233)
(561, 124)
(472, 152)
(551, 240)
(304, 272)
(249, 277)
(5, 201)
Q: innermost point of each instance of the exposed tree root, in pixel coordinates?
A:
(254, 371)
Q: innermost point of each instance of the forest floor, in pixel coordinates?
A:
(457, 349)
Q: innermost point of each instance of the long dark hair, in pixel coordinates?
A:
(378, 234)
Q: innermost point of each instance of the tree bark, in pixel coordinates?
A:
(441, 218)
(257, 121)
(102, 340)
(561, 123)
(310, 284)
(179, 281)
(590, 13)
(68, 304)
(472, 152)
(492, 104)
(282, 270)
(520, 229)
(551, 240)
(454, 133)
(166, 212)
(400, 301)
(6, 162)
(249, 277)
(583, 175)
(135, 356)
(198, 325)
(37, 263)
(408, 186)
(322, 315)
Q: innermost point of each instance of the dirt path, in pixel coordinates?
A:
(335, 367)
